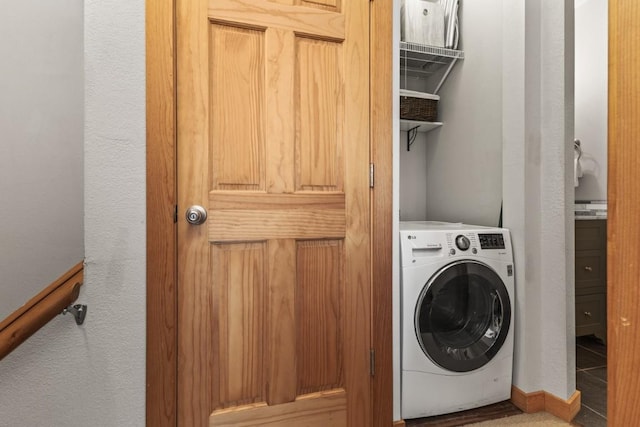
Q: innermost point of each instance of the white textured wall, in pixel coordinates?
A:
(557, 196)
(518, 216)
(95, 374)
(41, 107)
(538, 189)
(591, 78)
(412, 176)
(464, 157)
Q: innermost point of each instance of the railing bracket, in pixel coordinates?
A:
(79, 312)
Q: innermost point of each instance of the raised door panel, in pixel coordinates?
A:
(320, 316)
(319, 97)
(238, 305)
(333, 5)
(237, 106)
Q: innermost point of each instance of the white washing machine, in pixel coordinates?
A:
(457, 317)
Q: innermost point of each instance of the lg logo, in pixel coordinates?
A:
(410, 237)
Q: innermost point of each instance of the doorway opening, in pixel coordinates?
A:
(590, 182)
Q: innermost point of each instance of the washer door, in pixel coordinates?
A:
(463, 316)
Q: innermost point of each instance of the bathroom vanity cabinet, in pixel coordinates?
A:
(591, 277)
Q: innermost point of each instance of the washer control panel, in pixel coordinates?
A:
(423, 243)
(462, 242)
(491, 240)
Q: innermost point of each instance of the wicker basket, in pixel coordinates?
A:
(418, 106)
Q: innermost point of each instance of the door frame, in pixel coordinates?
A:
(162, 343)
(623, 194)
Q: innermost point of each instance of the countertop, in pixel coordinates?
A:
(590, 209)
(589, 217)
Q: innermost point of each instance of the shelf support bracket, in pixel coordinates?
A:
(445, 75)
(411, 136)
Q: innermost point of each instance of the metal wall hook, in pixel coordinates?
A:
(79, 312)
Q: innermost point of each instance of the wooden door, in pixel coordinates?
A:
(274, 288)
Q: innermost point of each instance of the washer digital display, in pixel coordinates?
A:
(491, 241)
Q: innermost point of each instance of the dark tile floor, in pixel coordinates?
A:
(591, 380)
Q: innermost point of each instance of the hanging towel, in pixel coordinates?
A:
(577, 166)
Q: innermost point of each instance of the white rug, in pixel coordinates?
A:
(539, 419)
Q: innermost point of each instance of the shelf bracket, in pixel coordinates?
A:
(445, 75)
(411, 136)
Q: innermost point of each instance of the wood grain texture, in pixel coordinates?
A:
(317, 410)
(319, 97)
(195, 373)
(544, 401)
(381, 68)
(238, 339)
(243, 216)
(41, 295)
(231, 350)
(279, 92)
(623, 249)
(162, 297)
(236, 94)
(161, 354)
(357, 243)
(528, 402)
(564, 409)
(264, 14)
(283, 323)
(245, 225)
(320, 316)
(274, 201)
(39, 310)
(333, 5)
(161, 180)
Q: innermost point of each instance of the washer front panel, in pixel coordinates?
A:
(462, 316)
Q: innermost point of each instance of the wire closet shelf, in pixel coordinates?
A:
(421, 61)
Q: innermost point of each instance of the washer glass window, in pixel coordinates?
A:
(463, 316)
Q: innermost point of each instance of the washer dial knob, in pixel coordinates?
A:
(462, 242)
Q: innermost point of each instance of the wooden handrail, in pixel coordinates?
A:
(39, 310)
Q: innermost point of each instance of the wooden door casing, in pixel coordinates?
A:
(274, 289)
(623, 249)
